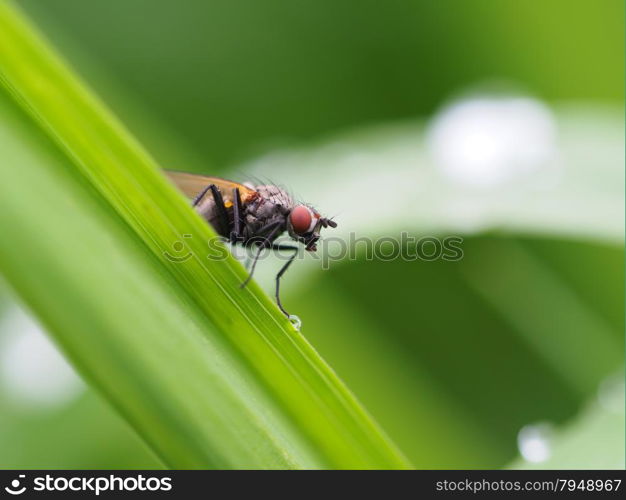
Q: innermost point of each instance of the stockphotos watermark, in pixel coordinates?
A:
(333, 249)
(94, 485)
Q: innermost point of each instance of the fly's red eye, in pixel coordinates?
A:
(300, 219)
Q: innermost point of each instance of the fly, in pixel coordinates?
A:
(253, 216)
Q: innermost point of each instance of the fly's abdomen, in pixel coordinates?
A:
(208, 211)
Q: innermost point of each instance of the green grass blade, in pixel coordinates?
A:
(209, 374)
(63, 252)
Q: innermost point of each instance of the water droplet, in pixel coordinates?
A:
(485, 141)
(533, 442)
(295, 321)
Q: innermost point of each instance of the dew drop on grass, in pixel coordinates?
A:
(295, 321)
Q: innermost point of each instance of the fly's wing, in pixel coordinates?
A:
(192, 184)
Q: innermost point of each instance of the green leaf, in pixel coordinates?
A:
(210, 375)
(592, 440)
(479, 348)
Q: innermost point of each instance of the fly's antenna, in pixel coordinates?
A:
(328, 222)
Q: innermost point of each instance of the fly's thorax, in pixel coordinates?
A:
(273, 195)
(271, 206)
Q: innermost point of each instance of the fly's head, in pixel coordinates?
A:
(304, 225)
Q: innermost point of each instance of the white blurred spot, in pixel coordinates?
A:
(486, 141)
(32, 371)
(611, 394)
(533, 442)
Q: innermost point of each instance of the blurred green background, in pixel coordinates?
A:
(511, 357)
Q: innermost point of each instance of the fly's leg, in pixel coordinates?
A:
(271, 229)
(282, 271)
(196, 201)
(222, 213)
(236, 235)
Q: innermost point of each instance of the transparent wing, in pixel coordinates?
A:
(192, 184)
